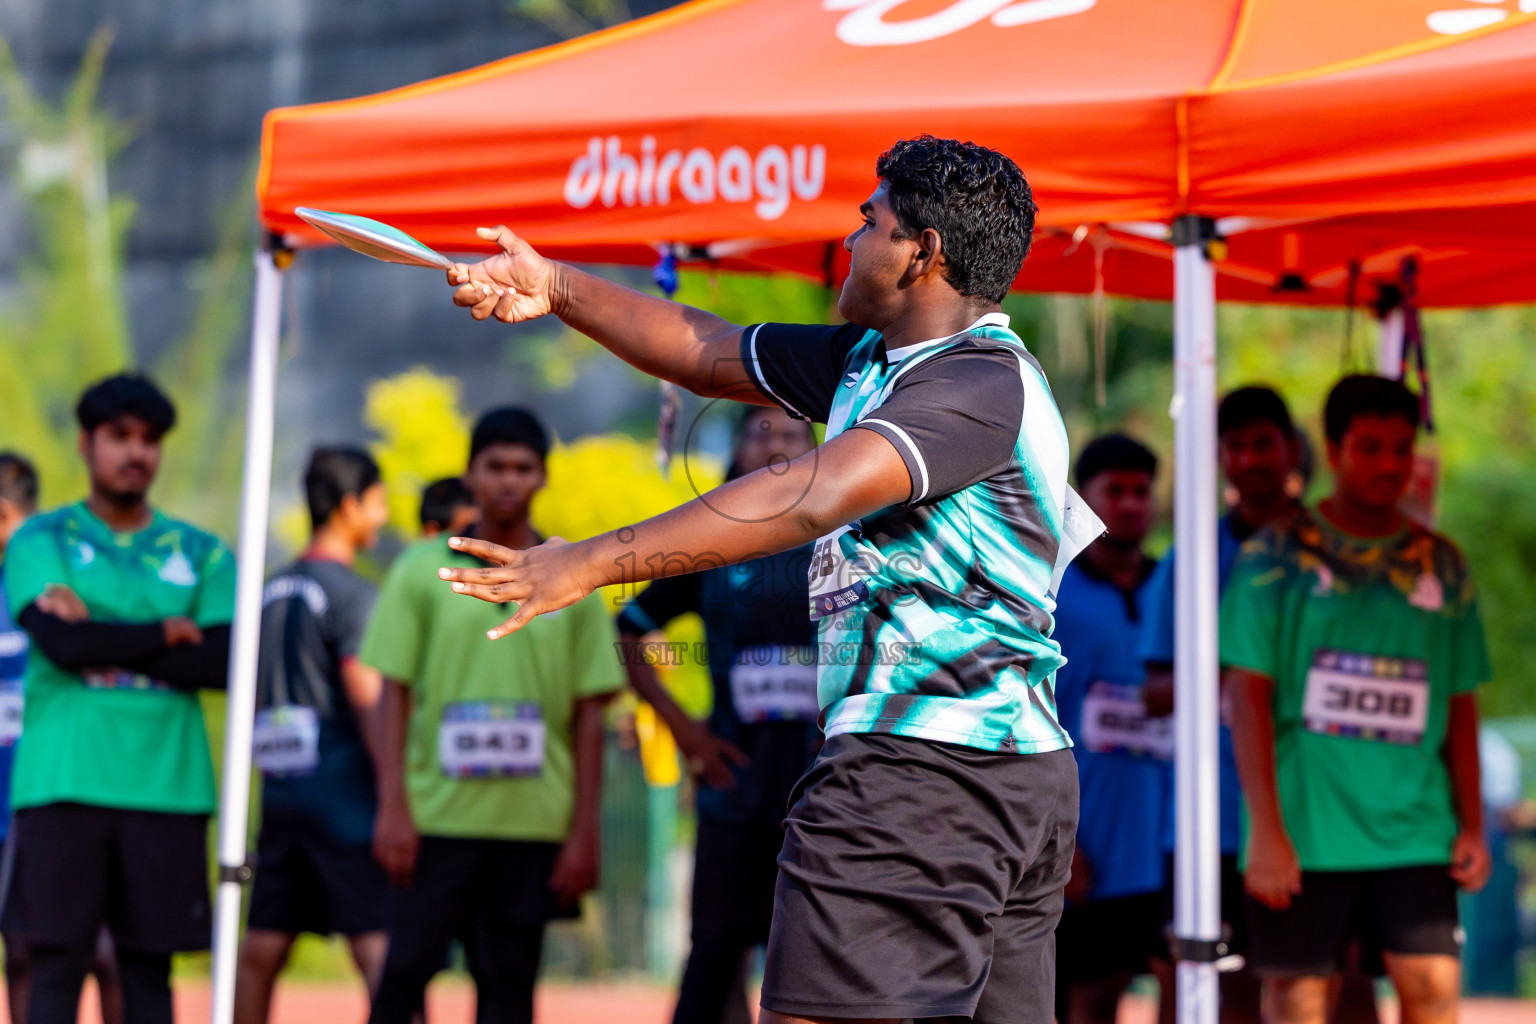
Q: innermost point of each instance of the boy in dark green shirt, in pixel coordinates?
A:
(128, 613)
(1352, 639)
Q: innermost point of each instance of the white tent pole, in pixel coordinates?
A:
(1389, 343)
(1197, 882)
(255, 495)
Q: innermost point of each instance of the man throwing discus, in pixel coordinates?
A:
(926, 849)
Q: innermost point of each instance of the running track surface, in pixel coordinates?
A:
(452, 1002)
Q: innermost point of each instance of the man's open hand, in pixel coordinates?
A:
(515, 285)
(539, 579)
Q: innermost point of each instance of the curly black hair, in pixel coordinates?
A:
(974, 197)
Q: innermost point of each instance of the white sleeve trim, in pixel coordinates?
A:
(917, 456)
(762, 380)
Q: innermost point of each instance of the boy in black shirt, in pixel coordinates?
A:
(314, 740)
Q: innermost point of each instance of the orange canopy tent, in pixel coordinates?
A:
(1314, 136)
(747, 130)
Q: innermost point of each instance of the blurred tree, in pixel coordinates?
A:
(65, 325)
(571, 18)
(424, 436)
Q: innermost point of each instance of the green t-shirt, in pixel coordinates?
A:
(110, 738)
(1367, 641)
(489, 750)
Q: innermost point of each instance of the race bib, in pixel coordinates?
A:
(286, 740)
(10, 712)
(118, 679)
(1367, 697)
(491, 739)
(836, 583)
(1116, 721)
(775, 683)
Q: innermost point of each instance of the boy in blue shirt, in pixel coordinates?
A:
(1260, 453)
(1109, 929)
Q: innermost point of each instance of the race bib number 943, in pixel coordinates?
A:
(1367, 697)
(482, 739)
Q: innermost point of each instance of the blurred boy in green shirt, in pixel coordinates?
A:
(491, 766)
(128, 612)
(1353, 645)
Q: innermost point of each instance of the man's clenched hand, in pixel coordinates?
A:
(515, 285)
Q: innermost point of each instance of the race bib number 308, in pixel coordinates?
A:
(1367, 697)
(492, 739)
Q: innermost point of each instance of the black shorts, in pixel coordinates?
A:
(473, 890)
(307, 882)
(922, 879)
(734, 872)
(74, 867)
(1396, 910)
(1103, 938)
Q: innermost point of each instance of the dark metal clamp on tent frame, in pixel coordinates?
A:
(275, 246)
(1205, 951)
(1193, 229)
(240, 874)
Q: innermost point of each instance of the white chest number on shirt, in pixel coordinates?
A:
(1116, 721)
(836, 582)
(286, 740)
(10, 712)
(482, 739)
(775, 683)
(1367, 697)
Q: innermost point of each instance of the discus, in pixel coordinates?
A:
(374, 238)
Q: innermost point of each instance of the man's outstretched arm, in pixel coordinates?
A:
(691, 348)
(774, 509)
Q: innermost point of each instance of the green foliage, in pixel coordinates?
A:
(65, 325)
(571, 18)
(66, 322)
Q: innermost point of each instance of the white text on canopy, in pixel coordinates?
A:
(606, 173)
(865, 24)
